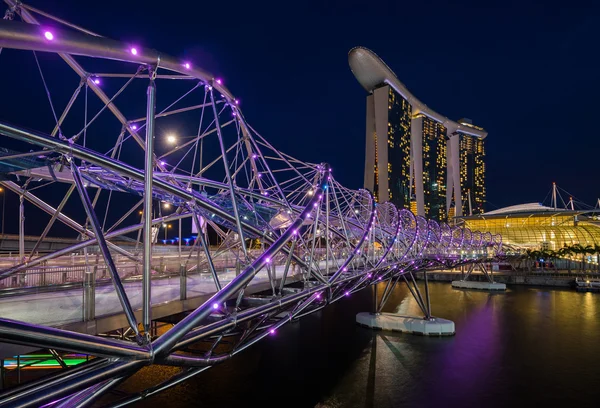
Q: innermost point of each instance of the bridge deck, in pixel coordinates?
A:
(64, 308)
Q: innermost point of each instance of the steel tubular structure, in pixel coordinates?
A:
(263, 221)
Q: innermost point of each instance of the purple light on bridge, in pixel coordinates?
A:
(215, 306)
(347, 293)
(237, 102)
(219, 81)
(259, 174)
(187, 65)
(97, 81)
(345, 269)
(318, 296)
(295, 232)
(133, 50)
(134, 127)
(369, 275)
(49, 36)
(272, 331)
(254, 156)
(268, 260)
(162, 163)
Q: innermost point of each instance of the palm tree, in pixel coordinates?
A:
(579, 250)
(566, 252)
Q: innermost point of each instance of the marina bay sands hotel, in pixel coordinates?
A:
(415, 157)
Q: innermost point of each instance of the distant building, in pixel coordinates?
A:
(387, 168)
(534, 226)
(415, 157)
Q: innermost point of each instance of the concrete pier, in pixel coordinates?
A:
(463, 284)
(393, 322)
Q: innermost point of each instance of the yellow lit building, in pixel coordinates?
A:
(533, 226)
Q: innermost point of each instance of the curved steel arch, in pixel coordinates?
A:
(333, 241)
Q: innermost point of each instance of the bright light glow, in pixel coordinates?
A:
(237, 102)
(187, 65)
(134, 127)
(49, 36)
(272, 331)
(310, 192)
(219, 81)
(345, 269)
(369, 275)
(163, 163)
(134, 51)
(295, 232)
(268, 260)
(97, 81)
(215, 306)
(171, 139)
(167, 205)
(254, 156)
(318, 296)
(347, 293)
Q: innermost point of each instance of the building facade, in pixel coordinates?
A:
(415, 157)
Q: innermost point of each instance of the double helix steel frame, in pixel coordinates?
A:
(275, 214)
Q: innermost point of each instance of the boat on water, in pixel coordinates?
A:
(583, 284)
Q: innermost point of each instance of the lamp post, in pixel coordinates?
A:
(166, 227)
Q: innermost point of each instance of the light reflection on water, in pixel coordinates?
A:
(528, 346)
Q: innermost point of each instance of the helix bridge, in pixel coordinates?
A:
(277, 238)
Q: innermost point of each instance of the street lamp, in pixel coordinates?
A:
(166, 227)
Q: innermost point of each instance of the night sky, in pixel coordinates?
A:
(526, 72)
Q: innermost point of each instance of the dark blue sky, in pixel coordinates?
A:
(525, 71)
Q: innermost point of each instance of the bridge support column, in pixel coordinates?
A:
(489, 284)
(89, 294)
(427, 325)
(182, 282)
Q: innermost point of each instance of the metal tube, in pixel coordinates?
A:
(51, 222)
(88, 396)
(101, 160)
(62, 387)
(26, 334)
(206, 250)
(427, 295)
(287, 267)
(219, 326)
(63, 218)
(36, 384)
(21, 229)
(73, 248)
(147, 214)
(173, 381)
(167, 341)
(58, 358)
(228, 175)
(87, 205)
